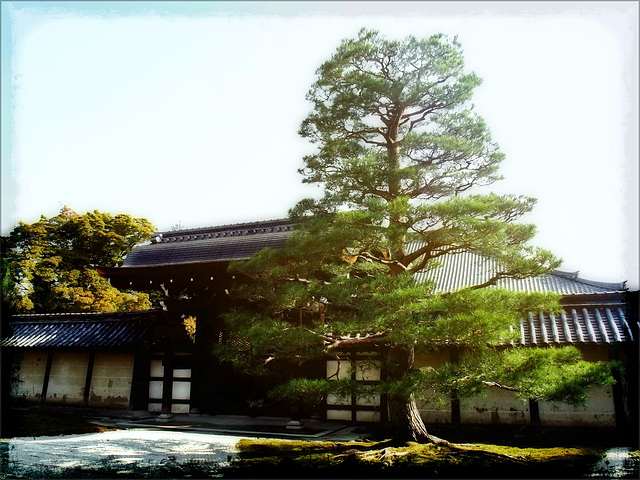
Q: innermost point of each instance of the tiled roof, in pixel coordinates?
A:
(468, 269)
(602, 324)
(241, 241)
(125, 330)
(214, 244)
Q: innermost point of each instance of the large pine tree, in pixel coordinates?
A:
(398, 149)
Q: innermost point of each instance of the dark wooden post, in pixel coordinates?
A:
(534, 412)
(384, 406)
(139, 399)
(87, 382)
(45, 381)
(455, 400)
(167, 387)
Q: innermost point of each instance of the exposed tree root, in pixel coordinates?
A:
(438, 441)
(482, 453)
(383, 455)
(459, 448)
(387, 455)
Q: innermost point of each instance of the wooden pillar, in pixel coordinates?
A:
(167, 385)
(139, 399)
(87, 382)
(618, 402)
(454, 357)
(534, 413)
(384, 406)
(45, 381)
(202, 359)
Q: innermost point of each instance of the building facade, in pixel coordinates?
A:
(176, 376)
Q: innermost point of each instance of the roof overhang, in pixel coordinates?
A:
(120, 331)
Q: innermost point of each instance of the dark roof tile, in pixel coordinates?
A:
(468, 269)
(236, 242)
(601, 324)
(215, 244)
(125, 330)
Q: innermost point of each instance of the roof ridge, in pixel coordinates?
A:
(575, 276)
(238, 229)
(80, 315)
(563, 274)
(63, 320)
(587, 304)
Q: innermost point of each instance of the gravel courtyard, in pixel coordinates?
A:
(126, 447)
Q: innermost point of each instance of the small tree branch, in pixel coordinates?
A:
(349, 342)
(305, 281)
(421, 251)
(383, 261)
(326, 338)
(498, 385)
(268, 360)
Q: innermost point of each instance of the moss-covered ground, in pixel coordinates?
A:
(481, 452)
(507, 452)
(293, 459)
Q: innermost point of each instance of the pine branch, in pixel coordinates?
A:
(383, 261)
(355, 341)
(498, 385)
(304, 281)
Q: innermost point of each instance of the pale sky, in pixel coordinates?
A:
(187, 112)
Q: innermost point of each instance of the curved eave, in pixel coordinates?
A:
(120, 331)
(161, 268)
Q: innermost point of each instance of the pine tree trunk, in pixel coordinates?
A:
(403, 411)
(406, 420)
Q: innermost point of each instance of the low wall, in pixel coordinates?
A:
(29, 368)
(501, 407)
(68, 378)
(110, 382)
(433, 408)
(599, 410)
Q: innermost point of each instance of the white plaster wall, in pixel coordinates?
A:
(372, 400)
(156, 369)
(434, 411)
(338, 370)
(598, 412)
(333, 399)
(181, 390)
(67, 378)
(504, 407)
(367, 367)
(433, 408)
(498, 407)
(363, 368)
(155, 389)
(180, 408)
(30, 368)
(367, 416)
(338, 414)
(111, 380)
